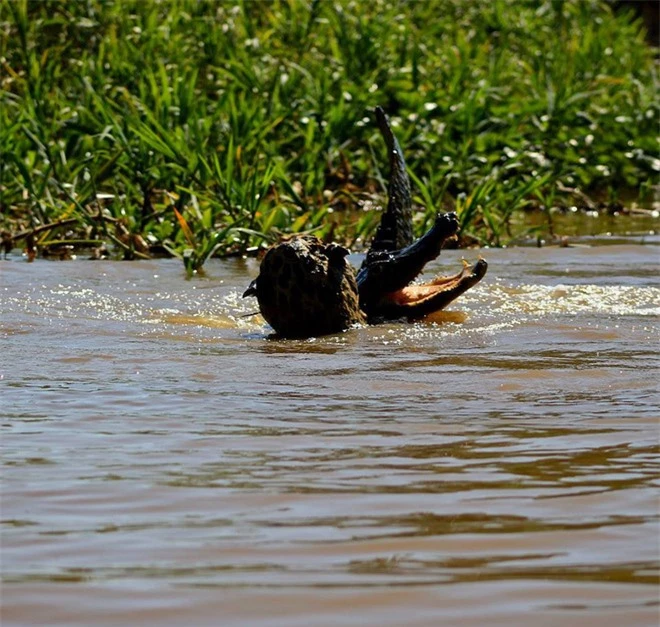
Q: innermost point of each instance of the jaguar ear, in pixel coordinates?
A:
(252, 289)
(336, 253)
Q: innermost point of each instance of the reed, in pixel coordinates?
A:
(201, 128)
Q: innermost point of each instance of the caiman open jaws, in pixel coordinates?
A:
(307, 288)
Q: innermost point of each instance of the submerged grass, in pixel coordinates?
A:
(200, 128)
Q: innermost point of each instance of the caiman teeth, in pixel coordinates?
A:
(442, 279)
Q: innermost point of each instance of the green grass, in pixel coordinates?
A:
(199, 128)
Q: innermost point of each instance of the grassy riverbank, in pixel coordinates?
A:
(197, 128)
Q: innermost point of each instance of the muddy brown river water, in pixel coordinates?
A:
(165, 463)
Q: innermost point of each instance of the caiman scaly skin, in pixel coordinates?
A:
(306, 288)
(395, 229)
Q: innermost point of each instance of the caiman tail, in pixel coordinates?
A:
(395, 230)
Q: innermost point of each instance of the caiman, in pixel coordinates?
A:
(306, 288)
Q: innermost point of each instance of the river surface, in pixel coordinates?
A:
(166, 463)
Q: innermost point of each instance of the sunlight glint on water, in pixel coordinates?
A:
(165, 463)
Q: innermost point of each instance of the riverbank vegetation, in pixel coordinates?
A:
(203, 128)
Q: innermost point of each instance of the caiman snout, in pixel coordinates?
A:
(447, 224)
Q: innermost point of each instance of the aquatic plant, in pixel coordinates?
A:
(196, 129)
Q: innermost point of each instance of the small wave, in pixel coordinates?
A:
(574, 299)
